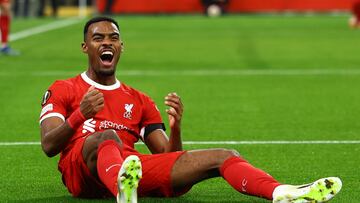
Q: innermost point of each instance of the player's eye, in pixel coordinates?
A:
(97, 38)
(115, 38)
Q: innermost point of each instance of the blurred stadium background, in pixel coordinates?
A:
(277, 80)
(86, 7)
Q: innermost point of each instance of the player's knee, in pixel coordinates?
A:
(230, 153)
(97, 138)
(109, 134)
(92, 144)
(222, 155)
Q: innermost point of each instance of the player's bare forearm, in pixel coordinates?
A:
(158, 142)
(55, 133)
(175, 112)
(175, 143)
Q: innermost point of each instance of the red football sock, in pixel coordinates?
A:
(247, 179)
(109, 161)
(4, 28)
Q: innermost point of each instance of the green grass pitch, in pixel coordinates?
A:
(241, 78)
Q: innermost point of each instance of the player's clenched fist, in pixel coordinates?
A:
(92, 102)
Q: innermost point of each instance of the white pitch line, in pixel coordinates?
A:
(18, 143)
(276, 142)
(43, 28)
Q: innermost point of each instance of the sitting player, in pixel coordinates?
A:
(94, 120)
(354, 21)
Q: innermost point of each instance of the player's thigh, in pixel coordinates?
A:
(156, 180)
(197, 165)
(76, 175)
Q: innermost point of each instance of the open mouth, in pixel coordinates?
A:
(107, 57)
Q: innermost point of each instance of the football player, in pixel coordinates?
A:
(93, 120)
(354, 20)
(5, 19)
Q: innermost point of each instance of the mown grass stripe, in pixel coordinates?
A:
(265, 142)
(205, 72)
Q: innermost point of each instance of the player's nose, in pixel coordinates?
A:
(107, 42)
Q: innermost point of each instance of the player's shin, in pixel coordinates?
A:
(109, 161)
(247, 179)
(4, 28)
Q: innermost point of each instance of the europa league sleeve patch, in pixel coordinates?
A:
(46, 97)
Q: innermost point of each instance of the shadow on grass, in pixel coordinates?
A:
(66, 199)
(61, 199)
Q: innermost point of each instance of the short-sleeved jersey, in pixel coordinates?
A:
(126, 110)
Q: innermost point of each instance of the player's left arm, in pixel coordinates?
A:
(157, 141)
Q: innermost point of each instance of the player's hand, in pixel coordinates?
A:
(175, 110)
(92, 102)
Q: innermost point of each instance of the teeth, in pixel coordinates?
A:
(107, 52)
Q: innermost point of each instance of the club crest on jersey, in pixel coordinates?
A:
(128, 111)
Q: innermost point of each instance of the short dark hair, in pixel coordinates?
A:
(98, 19)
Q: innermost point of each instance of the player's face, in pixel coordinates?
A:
(103, 46)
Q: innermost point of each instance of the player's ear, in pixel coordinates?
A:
(84, 47)
(122, 47)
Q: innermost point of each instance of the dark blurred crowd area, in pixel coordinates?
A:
(36, 8)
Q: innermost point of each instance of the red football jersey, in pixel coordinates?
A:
(126, 110)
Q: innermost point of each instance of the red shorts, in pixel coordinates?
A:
(156, 169)
(4, 1)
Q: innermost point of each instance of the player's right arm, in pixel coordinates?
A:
(54, 135)
(55, 132)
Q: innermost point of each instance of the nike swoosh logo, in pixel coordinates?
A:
(244, 182)
(107, 169)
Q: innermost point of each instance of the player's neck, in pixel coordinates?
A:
(101, 79)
